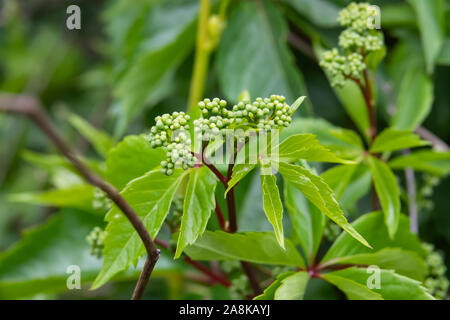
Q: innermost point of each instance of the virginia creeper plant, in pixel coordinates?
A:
(173, 194)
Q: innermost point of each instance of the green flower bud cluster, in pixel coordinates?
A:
(356, 16)
(425, 192)
(172, 133)
(435, 280)
(268, 113)
(342, 67)
(357, 41)
(101, 201)
(176, 212)
(96, 239)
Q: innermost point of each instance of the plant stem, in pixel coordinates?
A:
(247, 267)
(32, 108)
(212, 275)
(220, 218)
(231, 203)
(202, 53)
(412, 201)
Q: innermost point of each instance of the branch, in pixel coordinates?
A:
(202, 158)
(435, 141)
(231, 203)
(220, 218)
(31, 107)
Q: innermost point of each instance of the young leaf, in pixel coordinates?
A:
(297, 103)
(197, 207)
(434, 162)
(414, 100)
(257, 247)
(307, 221)
(150, 196)
(252, 50)
(387, 191)
(305, 147)
(272, 205)
(239, 172)
(392, 139)
(320, 194)
(269, 292)
(292, 287)
(431, 19)
(392, 286)
(374, 229)
(100, 140)
(131, 158)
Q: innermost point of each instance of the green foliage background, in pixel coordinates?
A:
(133, 60)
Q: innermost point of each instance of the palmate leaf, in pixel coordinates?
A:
(434, 162)
(272, 205)
(257, 247)
(319, 193)
(150, 196)
(252, 49)
(393, 139)
(130, 159)
(287, 286)
(387, 190)
(307, 221)
(353, 282)
(306, 147)
(198, 204)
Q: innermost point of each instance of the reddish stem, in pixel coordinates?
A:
(220, 217)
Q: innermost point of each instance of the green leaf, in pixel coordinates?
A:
(393, 139)
(346, 144)
(349, 182)
(387, 191)
(239, 173)
(269, 292)
(305, 147)
(292, 287)
(198, 204)
(156, 47)
(297, 103)
(392, 285)
(272, 205)
(431, 20)
(150, 196)
(77, 196)
(434, 162)
(414, 100)
(100, 140)
(130, 159)
(253, 54)
(403, 262)
(257, 247)
(352, 289)
(374, 229)
(307, 221)
(319, 193)
(323, 13)
(39, 261)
